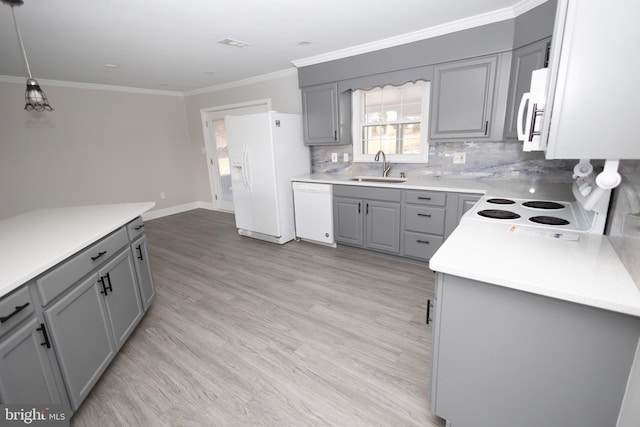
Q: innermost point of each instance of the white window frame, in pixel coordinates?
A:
(356, 131)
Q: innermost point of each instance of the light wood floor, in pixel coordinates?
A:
(248, 333)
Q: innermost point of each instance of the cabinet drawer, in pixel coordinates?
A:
(419, 245)
(14, 308)
(424, 219)
(135, 228)
(426, 197)
(61, 277)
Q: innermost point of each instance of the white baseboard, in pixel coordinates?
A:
(178, 209)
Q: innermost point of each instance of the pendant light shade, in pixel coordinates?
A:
(34, 97)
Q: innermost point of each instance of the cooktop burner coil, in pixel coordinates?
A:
(549, 220)
(498, 214)
(499, 201)
(539, 204)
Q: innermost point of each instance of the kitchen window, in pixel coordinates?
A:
(392, 119)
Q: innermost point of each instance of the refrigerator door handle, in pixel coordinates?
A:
(245, 168)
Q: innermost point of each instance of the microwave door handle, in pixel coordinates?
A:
(520, 126)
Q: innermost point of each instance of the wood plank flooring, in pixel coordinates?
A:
(248, 333)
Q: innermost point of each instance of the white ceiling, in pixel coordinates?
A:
(170, 45)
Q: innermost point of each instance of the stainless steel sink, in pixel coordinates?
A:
(387, 179)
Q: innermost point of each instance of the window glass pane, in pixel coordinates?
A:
(383, 138)
(411, 138)
(373, 101)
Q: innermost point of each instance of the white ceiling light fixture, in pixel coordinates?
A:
(35, 99)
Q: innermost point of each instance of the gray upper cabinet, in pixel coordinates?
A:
(26, 371)
(462, 99)
(321, 114)
(524, 61)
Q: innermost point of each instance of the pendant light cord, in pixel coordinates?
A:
(24, 53)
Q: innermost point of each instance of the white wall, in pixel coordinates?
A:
(97, 147)
(285, 98)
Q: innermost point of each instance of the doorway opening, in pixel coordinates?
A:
(215, 142)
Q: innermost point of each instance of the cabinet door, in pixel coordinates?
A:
(26, 373)
(143, 271)
(347, 220)
(592, 106)
(320, 114)
(382, 226)
(525, 60)
(462, 99)
(122, 298)
(82, 337)
(465, 202)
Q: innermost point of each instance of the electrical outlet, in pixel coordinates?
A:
(345, 157)
(163, 196)
(334, 157)
(459, 158)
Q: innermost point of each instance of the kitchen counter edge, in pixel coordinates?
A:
(35, 241)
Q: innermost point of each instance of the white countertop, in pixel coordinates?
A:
(33, 242)
(537, 189)
(587, 271)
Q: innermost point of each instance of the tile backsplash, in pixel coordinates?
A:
(484, 160)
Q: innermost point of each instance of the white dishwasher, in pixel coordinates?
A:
(313, 204)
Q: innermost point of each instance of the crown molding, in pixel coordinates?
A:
(92, 86)
(427, 33)
(243, 82)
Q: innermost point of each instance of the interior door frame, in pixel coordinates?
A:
(209, 114)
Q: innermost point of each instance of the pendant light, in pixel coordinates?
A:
(34, 97)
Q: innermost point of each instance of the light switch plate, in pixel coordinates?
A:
(334, 157)
(459, 158)
(345, 157)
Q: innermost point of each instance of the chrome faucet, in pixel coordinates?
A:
(386, 167)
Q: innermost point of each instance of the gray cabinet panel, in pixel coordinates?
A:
(525, 60)
(382, 226)
(420, 245)
(425, 197)
(424, 219)
(59, 279)
(320, 114)
(348, 220)
(15, 308)
(123, 297)
(135, 228)
(508, 358)
(370, 193)
(462, 99)
(26, 373)
(82, 337)
(143, 271)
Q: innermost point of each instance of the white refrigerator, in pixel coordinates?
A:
(266, 150)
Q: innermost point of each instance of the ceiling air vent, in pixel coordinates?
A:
(234, 43)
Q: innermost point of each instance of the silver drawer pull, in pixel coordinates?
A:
(427, 215)
(424, 242)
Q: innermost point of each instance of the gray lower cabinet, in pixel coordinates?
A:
(367, 217)
(424, 220)
(525, 60)
(462, 98)
(143, 271)
(27, 371)
(503, 358)
(91, 322)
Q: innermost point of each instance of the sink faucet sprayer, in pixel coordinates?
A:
(386, 167)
